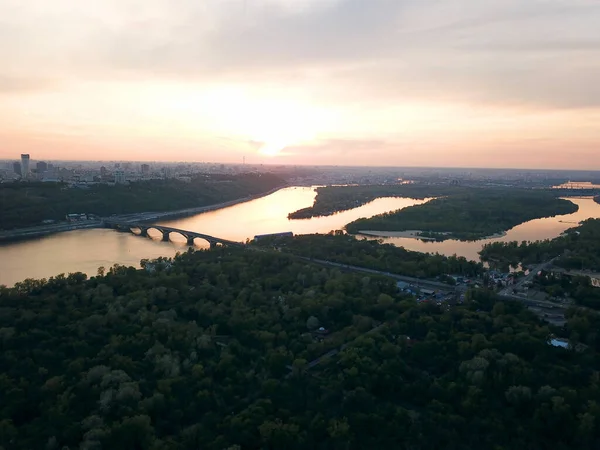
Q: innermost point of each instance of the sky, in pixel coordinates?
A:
(461, 83)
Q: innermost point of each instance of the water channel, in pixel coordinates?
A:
(86, 250)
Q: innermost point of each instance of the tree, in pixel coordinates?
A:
(312, 323)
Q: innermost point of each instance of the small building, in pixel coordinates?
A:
(559, 342)
(75, 217)
(402, 285)
(283, 234)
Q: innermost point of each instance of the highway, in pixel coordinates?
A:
(33, 232)
(508, 291)
(42, 230)
(153, 216)
(425, 284)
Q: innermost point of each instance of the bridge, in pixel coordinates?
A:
(128, 227)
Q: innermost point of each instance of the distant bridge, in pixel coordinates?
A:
(128, 227)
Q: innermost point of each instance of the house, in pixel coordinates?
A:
(402, 285)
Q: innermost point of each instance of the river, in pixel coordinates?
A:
(538, 229)
(86, 250)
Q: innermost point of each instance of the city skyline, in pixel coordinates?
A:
(302, 82)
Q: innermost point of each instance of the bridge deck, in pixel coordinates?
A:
(186, 233)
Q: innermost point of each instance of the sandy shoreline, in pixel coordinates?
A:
(415, 234)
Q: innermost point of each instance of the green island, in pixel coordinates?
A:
(471, 215)
(372, 254)
(28, 204)
(333, 199)
(241, 349)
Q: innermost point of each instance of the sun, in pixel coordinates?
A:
(274, 148)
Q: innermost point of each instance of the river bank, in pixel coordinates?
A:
(416, 234)
(188, 212)
(22, 234)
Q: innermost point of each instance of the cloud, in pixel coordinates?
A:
(19, 84)
(383, 72)
(540, 52)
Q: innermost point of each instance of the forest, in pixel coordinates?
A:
(245, 349)
(333, 199)
(576, 287)
(373, 254)
(576, 249)
(472, 215)
(28, 204)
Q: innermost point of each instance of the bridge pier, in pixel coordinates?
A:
(190, 241)
(213, 244)
(144, 232)
(165, 234)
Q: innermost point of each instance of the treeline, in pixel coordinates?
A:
(214, 351)
(372, 254)
(577, 249)
(333, 199)
(27, 204)
(470, 215)
(576, 287)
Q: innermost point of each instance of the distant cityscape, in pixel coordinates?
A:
(85, 173)
(103, 172)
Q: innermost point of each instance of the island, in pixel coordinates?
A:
(238, 348)
(333, 199)
(30, 204)
(471, 215)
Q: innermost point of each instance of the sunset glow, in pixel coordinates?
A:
(303, 82)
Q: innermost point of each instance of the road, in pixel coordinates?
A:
(33, 232)
(335, 351)
(153, 216)
(509, 290)
(426, 284)
(42, 230)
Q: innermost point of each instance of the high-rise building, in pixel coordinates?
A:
(25, 165)
(41, 167)
(17, 168)
(119, 176)
(145, 169)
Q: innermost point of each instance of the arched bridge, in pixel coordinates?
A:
(127, 227)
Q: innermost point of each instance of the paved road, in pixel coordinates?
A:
(31, 232)
(508, 291)
(581, 273)
(153, 216)
(335, 351)
(427, 284)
